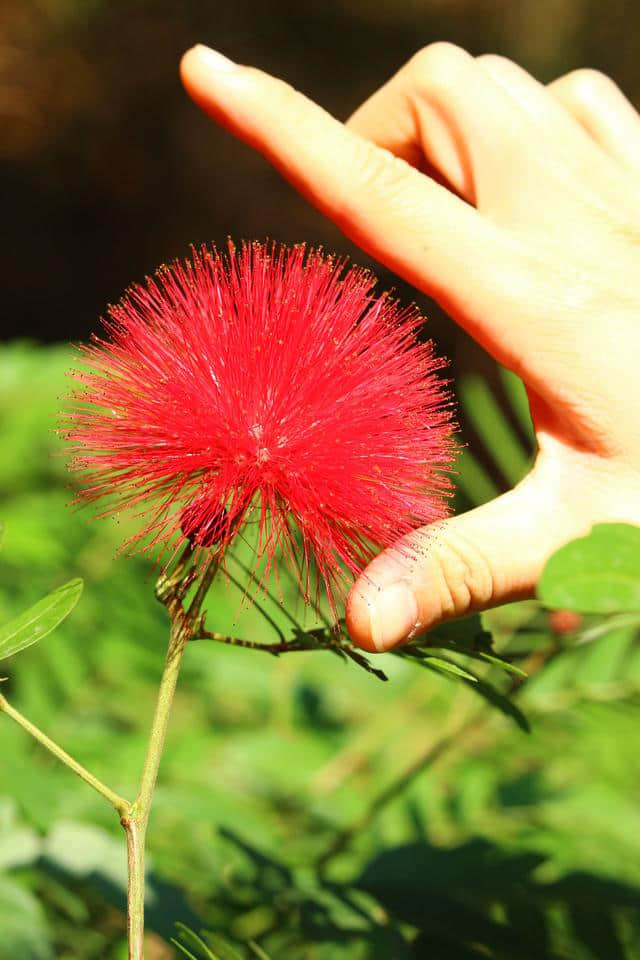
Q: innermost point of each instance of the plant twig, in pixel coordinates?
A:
(121, 805)
(314, 640)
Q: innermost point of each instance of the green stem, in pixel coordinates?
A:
(184, 627)
(136, 822)
(121, 805)
(313, 641)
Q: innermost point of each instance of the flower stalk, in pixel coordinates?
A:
(136, 820)
(185, 626)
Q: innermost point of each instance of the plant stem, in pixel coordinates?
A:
(121, 805)
(315, 640)
(184, 627)
(136, 822)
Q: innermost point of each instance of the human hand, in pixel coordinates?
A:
(534, 250)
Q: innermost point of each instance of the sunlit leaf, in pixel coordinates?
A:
(467, 637)
(599, 573)
(516, 393)
(503, 664)
(483, 411)
(448, 667)
(39, 620)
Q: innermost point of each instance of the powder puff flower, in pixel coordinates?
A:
(268, 384)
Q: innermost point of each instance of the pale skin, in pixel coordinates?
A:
(531, 242)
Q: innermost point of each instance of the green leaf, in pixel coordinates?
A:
(259, 952)
(80, 850)
(24, 931)
(473, 479)
(447, 666)
(622, 621)
(219, 950)
(503, 664)
(502, 703)
(517, 396)
(466, 637)
(39, 620)
(599, 573)
(465, 634)
(482, 409)
(183, 950)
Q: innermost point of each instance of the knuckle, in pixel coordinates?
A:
(494, 60)
(588, 84)
(380, 172)
(438, 64)
(467, 580)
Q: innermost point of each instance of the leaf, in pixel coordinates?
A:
(604, 662)
(218, 950)
(88, 854)
(610, 625)
(448, 667)
(183, 950)
(259, 952)
(24, 933)
(467, 637)
(516, 393)
(490, 423)
(465, 634)
(19, 847)
(82, 850)
(473, 479)
(503, 664)
(502, 703)
(39, 620)
(599, 573)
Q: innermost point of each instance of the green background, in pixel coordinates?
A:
(506, 845)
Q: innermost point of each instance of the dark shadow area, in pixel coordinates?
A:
(422, 901)
(479, 900)
(107, 899)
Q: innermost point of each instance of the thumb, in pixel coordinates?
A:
(491, 555)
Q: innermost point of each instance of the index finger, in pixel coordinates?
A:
(416, 227)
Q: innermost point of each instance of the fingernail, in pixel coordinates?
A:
(214, 60)
(393, 614)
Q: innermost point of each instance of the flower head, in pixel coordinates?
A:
(268, 383)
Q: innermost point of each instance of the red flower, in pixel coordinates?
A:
(271, 384)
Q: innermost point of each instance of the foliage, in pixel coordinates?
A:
(596, 574)
(39, 620)
(304, 809)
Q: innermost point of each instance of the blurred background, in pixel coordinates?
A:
(303, 806)
(107, 170)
